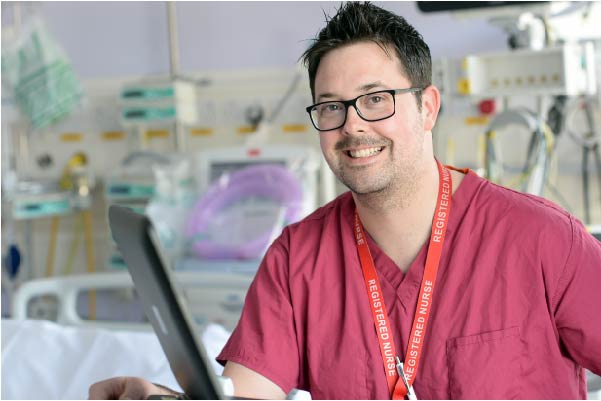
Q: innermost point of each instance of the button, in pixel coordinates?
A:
(487, 106)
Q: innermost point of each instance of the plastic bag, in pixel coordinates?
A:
(37, 72)
(169, 209)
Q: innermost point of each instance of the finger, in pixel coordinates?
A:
(109, 389)
(136, 388)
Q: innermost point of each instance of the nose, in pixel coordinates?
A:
(354, 123)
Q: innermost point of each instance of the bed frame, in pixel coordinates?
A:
(211, 296)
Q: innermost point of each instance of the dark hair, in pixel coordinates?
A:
(356, 22)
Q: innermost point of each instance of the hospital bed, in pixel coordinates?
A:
(213, 294)
(59, 360)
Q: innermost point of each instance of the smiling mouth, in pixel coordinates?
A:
(356, 154)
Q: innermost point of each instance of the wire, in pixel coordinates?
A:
(52, 246)
(541, 136)
(77, 231)
(278, 108)
(590, 141)
(583, 103)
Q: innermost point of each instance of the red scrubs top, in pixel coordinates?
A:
(516, 308)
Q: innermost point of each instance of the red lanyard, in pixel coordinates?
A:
(396, 387)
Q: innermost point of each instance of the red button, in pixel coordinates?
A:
(487, 106)
(253, 152)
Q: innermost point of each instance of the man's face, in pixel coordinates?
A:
(370, 157)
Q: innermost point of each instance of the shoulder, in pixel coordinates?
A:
(299, 243)
(324, 218)
(513, 223)
(524, 232)
(323, 228)
(517, 209)
(331, 209)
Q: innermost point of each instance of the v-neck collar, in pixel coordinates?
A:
(407, 284)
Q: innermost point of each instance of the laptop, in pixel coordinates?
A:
(172, 323)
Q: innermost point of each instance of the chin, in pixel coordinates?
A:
(364, 188)
(369, 191)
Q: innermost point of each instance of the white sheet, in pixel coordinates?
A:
(43, 360)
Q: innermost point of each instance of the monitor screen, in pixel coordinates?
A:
(218, 168)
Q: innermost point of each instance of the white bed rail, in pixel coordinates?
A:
(67, 288)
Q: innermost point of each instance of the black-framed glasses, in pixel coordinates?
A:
(374, 106)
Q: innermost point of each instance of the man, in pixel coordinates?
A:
(481, 292)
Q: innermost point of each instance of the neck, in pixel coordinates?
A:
(400, 220)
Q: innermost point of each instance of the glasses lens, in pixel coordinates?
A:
(376, 106)
(328, 115)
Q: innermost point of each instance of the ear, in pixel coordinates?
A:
(430, 106)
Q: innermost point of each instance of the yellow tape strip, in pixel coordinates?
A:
(113, 135)
(245, 129)
(156, 133)
(201, 131)
(294, 128)
(71, 137)
(479, 120)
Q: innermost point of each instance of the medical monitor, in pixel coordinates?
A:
(485, 9)
(436, 6)
(303, 161)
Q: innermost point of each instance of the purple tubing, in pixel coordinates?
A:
(270, 181)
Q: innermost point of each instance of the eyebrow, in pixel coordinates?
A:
(326, 96)
(370, 86)
(363, 88)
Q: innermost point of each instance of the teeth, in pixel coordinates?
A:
(364, 152)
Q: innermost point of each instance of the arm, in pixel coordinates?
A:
(264, 344)
(577, 300)
(250, 384)
(247, 384)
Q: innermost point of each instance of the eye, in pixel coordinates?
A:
(329, 108)
(374, 99)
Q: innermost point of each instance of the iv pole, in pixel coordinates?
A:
(174, 65)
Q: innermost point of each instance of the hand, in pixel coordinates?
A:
(126, 388)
